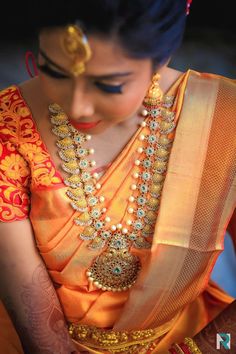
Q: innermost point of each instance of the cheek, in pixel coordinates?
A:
(52, 90)
(124, 106)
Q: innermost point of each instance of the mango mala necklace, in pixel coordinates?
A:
(116, 268)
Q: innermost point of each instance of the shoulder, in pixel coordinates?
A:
(13, 108)
(212, 77)
(15, 114)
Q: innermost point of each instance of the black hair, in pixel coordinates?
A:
(145, 28)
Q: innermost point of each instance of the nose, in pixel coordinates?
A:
(81, 103)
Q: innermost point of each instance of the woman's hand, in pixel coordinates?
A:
(223, 323)
(28, 294)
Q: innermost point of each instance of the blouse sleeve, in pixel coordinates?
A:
(14, 182)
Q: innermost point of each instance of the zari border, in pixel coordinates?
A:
(115, 341)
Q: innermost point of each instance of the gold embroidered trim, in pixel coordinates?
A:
(117, 341)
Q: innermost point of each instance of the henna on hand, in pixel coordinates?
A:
(44, 330)
(225, 322)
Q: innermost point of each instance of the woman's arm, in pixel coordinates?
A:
(28, 294)
(225, 322)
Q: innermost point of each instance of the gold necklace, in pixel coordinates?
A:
(116, 268)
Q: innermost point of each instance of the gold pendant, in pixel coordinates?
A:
(116, 269)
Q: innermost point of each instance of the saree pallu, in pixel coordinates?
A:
(173, 296)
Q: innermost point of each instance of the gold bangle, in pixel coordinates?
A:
(192, 346)
(178, 348)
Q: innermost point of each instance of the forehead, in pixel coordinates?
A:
(106, 52)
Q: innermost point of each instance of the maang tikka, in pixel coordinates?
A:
(76, 46)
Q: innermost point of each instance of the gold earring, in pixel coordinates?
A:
(154, 95)
(75, 44)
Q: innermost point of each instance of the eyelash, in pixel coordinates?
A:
(109, 88)
(112, 89)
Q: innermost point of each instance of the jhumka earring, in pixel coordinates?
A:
(154, 95)
(75, 44)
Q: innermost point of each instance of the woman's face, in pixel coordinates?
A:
(109, 91)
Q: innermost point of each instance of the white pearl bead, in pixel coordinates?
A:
(140, 150)
(137, 162)
(124, 230)
(104, 210)
(130, 210)
(91, 151)
(136, 175)
(129, 222)
(143, 124)
(107, 219)
(88, 137)
(131, 199)
(144, 112)
(119, 226)
(93, 163)
(141, 137)
(102, 199)
(98, 186)
(113, 227)
(133, 187)
(95, 175)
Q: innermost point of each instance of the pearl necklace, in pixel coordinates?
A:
(116, 268)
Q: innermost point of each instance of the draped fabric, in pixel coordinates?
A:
(173, 296)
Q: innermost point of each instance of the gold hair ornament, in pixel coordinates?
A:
(75, 44)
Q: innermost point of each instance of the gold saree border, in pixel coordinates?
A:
(172, 244)
(117, 341)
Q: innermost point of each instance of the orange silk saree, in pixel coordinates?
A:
(173, 296)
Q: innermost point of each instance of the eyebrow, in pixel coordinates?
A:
(50, 61)
(93, 77)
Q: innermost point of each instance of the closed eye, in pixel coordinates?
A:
(109, 88)
(112, 89)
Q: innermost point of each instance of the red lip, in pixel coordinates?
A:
(83, 125)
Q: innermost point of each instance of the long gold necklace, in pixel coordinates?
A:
(116, 268)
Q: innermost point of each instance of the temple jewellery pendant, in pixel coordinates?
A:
(116, 268)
